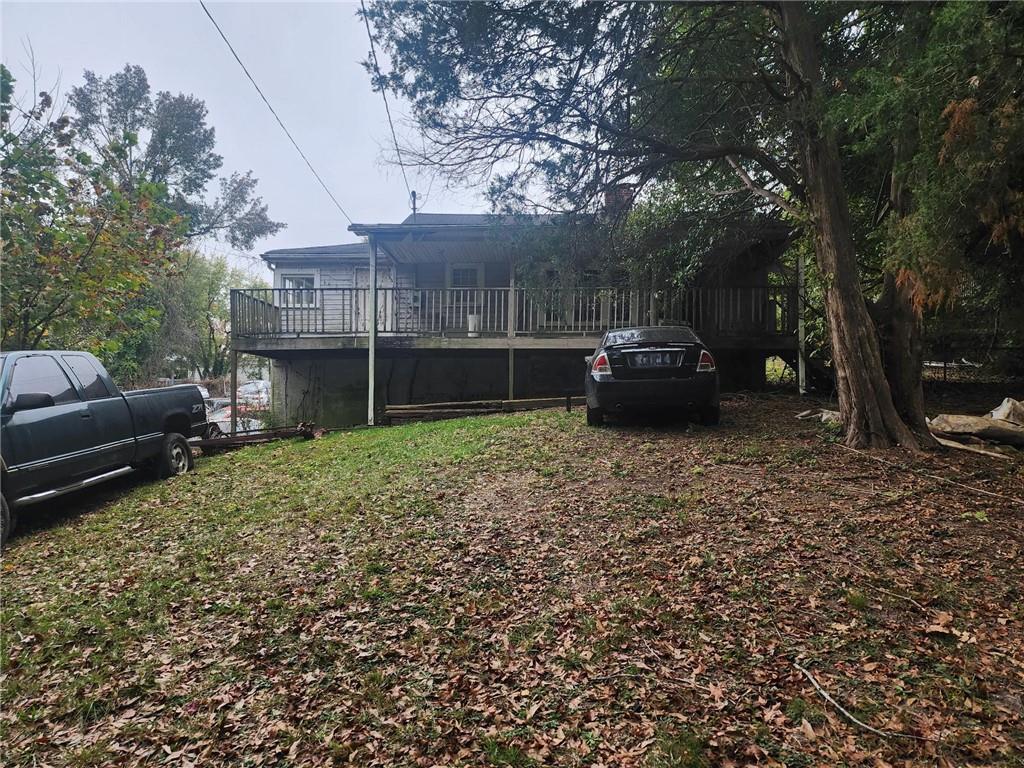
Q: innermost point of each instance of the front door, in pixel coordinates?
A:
(385, 299)
(465, 299)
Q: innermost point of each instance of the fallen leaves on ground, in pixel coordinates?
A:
(524, 590)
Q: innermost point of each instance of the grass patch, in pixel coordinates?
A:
(857, 600)
(679, 748)
(500, 753)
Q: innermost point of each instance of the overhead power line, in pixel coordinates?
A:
(274, 112)
(384, 94)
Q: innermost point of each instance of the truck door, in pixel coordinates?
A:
(49, 446)
(110, 414)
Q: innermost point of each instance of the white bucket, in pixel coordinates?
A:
(473, 322)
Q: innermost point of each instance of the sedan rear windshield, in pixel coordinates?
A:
(666, 335)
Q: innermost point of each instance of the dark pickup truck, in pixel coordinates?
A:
(65, 426)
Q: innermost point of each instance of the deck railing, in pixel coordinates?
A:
(471, 312)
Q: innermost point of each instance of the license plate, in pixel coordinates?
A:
(653, 359)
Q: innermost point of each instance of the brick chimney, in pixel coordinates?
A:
(617, 198)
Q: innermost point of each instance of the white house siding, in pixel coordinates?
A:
(296, 319)
(334, 312)
(406, 309)
(340, 314)
(345, 312)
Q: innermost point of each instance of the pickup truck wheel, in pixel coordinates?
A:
(6, 521)
(175, 456)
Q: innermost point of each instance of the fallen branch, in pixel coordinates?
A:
(827, 697)
(871, 586)
(879, 459)
(971, 448)
(895, 594)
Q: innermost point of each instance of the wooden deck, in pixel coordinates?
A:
(268, 320)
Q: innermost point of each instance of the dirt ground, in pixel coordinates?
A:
(525, 590)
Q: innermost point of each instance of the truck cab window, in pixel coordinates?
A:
(41, 374)
(88, 377)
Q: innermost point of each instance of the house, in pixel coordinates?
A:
(470, 307)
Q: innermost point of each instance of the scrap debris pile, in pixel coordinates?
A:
(999, 433)
(307, 430)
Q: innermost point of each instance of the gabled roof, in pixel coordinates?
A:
(428, 237)
(472, 219)
(453, 222)
(340, 251)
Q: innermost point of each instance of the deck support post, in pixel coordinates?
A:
(801, 332)
(511, 373)
(512, 312)
(234, 390)
(372, 341)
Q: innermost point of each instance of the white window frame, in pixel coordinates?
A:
(304, 275)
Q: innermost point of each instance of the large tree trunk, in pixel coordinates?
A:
(897, 318)
(900, 330)
(865, 401)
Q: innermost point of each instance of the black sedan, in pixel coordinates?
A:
(648, 369)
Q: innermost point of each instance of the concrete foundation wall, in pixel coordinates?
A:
(331, 391)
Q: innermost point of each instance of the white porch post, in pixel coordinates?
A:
(801, 332)
(512, 305)
(234, 391)
(372, 342)
(511, 300)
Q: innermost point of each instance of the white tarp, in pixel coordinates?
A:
(1010, 410)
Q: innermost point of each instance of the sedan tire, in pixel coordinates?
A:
(595, 417)
(711, 415)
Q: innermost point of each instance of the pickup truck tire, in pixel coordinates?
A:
(6, 521)
(175, 456)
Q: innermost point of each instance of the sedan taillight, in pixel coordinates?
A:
(601, 364)
(706, 362)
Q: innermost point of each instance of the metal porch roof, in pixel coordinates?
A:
(355, 251)
(453, 237)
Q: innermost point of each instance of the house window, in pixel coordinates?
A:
(465, 277)
(298, 291)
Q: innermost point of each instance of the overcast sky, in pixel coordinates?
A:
(306, 58)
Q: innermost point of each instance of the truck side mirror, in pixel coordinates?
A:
(28, 401)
